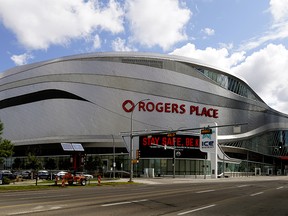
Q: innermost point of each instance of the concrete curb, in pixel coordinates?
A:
(168, 180)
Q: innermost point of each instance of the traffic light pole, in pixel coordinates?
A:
(174, 157)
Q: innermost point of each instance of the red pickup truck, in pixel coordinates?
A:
(77, 179)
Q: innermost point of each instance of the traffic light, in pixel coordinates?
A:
(137, 154)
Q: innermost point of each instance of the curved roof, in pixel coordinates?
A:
(115, 54)
(198, 65)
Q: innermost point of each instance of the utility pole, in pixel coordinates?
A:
(114, 163)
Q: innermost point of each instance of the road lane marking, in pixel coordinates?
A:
(206, 191)
(144, 200)
(41, 197)
(255, 194)
(123, 203)
(240, 186)
(36, 210)
(279, 187)
(198, 209)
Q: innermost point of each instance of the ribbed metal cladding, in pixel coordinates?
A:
(86, 93)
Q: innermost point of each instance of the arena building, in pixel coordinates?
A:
(97, 99)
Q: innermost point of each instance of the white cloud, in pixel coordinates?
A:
(278, 29)
(38, 24)
(228, 46)
(279, 10)
(119, 45)
(208, 31)
(157, 22)
(215, 57)
(21, 59)
(96, 42)
(266, 72)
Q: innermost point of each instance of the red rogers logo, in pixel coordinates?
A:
(128, 106)
(126, 103)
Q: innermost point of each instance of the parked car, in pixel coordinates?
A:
(87, 176)
(17, 174)
(61, 174)
(7, 173)
(43, 174)
(26, 174)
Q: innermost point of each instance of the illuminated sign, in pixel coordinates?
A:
(206, 131)
(175, 108)
(180, 141)
(161, 146)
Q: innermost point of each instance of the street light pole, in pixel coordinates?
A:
(174, 157)
(174, 151)
(114, 164)
(131, 139)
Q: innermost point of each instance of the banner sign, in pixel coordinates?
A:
(208, 143)
(208, 138)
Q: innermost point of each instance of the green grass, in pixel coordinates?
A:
(49, 184)
(4, 188)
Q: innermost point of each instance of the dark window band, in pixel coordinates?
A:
(38, 96)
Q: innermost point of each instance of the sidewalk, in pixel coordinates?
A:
(170, 180)
(167, 180)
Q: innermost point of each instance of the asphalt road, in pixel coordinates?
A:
(207, 198)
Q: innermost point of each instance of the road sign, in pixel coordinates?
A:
(206, 131)
(171, 134)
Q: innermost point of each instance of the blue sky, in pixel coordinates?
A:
(243, 37)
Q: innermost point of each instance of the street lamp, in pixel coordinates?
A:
(131, 139)
(174, 158)
(174, 150)
(114, 163)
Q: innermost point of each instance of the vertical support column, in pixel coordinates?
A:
(75, 161)
(209, 144)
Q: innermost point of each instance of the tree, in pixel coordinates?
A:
(6, 147)
(33, 162)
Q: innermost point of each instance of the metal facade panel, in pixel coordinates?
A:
(104, 86)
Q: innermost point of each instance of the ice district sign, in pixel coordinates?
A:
(208, 144)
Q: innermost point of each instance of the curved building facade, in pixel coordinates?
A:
(89, 99)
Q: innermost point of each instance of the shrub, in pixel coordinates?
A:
(5, 180)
